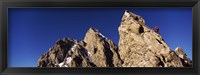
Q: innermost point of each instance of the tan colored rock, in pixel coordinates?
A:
(185, 60)
(66, 53)
(103, 52)
(139, 46)
(94, 51)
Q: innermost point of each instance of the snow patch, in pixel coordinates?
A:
(127, 14)
(69, 59)
(101, 35)
(73, 48)
(50, 49)
(89, 53)
(57, 64)
(65, 66)
(61, 64)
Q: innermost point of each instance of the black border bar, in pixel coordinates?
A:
(88, 3)
(100, 4)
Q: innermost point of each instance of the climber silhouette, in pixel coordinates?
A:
(156, 29)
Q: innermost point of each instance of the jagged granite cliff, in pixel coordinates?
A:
(94, 51)
(139, 46)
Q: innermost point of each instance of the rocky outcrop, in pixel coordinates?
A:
(94, 51)
(66, 53)
(103, 51)
(139, 46)
(182, 55)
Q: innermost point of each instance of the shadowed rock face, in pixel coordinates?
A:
(139, 46)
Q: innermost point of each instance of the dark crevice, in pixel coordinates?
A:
(160, 63)
(95, 50)
(141, 29)
(78, 60)
(137, 18)
(119, 56)
(159, 41)
(92, 64)
(185, 64)
(163, 58)
(109, 56)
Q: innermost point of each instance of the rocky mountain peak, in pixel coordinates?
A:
(94, 33)
(92, 30)
(95, 47)
(134, 17)
(102, 49)
(139, 46)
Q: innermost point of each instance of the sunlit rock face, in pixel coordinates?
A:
(103, 52)
(67, 52)
(94, 51)
(139, 46)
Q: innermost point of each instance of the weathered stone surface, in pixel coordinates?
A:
(103, 51)
(186, 61)
(66, 53)
(139, 46)
(94, 51)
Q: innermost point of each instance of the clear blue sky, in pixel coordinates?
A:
(32, 31)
